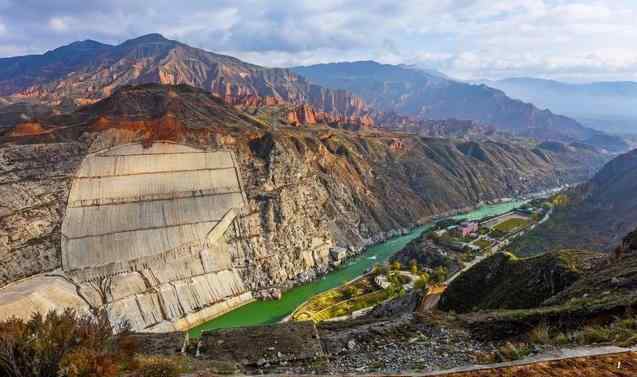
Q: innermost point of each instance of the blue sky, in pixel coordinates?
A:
(581, 40)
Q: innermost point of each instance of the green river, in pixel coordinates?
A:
(265, 312)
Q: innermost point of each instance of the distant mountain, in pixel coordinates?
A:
(88, 71)
(594, 216)
(416, 92)
(607, 106)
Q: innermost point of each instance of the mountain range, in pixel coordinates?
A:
(87, 71)
(362, 93)
(306, 187)
(607, 106)
(426, 95)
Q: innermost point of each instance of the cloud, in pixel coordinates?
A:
(466, 38)
(59, 23)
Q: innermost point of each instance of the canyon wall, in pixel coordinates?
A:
(297, 192)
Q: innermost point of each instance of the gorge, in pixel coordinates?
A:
(296, 193)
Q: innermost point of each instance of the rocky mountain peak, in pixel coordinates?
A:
(149, 38)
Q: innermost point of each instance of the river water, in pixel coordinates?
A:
(265, 312)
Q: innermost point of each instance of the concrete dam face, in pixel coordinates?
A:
(129, 203)
(145, 234)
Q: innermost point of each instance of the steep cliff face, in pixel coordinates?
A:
(306, 189)
(88, 71)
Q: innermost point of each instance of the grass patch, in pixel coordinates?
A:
(621, 332)
(512, 225)
(356, 295)
(483, 244)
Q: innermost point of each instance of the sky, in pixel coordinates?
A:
(581, 40)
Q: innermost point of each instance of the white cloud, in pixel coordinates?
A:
(465, 38)
(59, 23)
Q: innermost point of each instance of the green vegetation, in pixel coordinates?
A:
(621, 332)
(158, 367)
(504, 281)
(498, 234)
(440, 274)
(413, 266)
(71, 345)
(483, 244)
(512, 225)
(359, 294)
(421, 284)
(560, 200)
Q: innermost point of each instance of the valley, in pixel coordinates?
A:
(170, 211)
(267, 312)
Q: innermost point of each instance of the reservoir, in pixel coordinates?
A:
(265, 312)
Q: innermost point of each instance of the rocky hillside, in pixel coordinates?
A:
(306, 188)
(594, 215)
(413, 92)
(563, 290)
(504, 281)
(88, 71)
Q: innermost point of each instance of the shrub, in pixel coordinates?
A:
(512, 352)
(561, 339)
(158, 367)
(84, 362)
(36, 348)
(421, 285)
(413, 266)
(440, 274)
(540, 335)
(594, 334)
(349, 292)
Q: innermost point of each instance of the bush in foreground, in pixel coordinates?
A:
(60, 345)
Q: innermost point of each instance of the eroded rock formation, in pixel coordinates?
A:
(306, 189)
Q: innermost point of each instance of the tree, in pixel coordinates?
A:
(349, 292)
(421, 285)
(413, 267)
(440, 274)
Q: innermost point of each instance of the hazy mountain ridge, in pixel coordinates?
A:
(414, 92)
(610, 106)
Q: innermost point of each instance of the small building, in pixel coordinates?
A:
(382, 282)
(338, 254)
(440, 233)
(468, 228)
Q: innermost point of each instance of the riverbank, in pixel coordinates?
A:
(267, 312)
